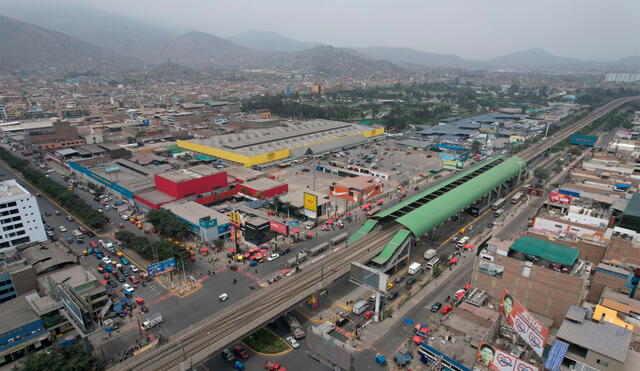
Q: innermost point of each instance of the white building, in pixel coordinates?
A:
(20, 217)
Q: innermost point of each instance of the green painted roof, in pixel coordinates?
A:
(366, 228)
(431, 214)
(633, 207)
(391, 247)
(546, 250)
(205, 158)
(425, 193)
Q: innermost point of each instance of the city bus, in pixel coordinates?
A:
(498, 204)
(517, 197)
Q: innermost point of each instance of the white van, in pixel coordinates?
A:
(463, 241)
(433, 262)
(498, 212)
(430, 254)
(309, 224)
(360, 307)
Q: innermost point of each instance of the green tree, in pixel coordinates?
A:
(168, 224)
(437, 271)
(475, 146)
(541, 174)
(57, 358)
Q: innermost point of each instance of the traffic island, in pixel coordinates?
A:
(266, 342)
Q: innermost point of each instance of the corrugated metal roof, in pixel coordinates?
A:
(423, 194)
(603, 338)
(391, 247)
(366, 228)
(431, 214)
(546, 250)
(576, 314)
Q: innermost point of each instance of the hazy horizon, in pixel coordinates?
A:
(468, 28)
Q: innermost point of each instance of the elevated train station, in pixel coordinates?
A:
(472, 190)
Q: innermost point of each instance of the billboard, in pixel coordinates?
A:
(363, 275)
(499, 360)
(310, 205)
(516, 139)
(560, 198)
(279, 227)
(452, 164)
(162, 267)
(525, 324)
(235, 219)
(583, 140)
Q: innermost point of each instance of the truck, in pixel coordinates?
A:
(151, 321)
(359, 307)
(76, 233)
(294, 326)
(414, 268)
(430, 254)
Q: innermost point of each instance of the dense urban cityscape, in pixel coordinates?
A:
(181, 201)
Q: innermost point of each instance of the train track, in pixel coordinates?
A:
(540, 147)
(199, 341)
(245, 316)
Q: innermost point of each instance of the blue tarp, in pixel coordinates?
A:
(623, 186)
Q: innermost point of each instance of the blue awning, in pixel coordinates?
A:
(623, 186)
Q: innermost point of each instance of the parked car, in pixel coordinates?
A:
(134, 269)
(436, 307)
(392, 295)
(228, 356)
(241, 352)
(293, 342)
(62, 228)
(134, 280)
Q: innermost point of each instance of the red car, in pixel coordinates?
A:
(93, 244)
(241, 352)
(134, 280)
(82, 230)
(446, 309)
(273, 366)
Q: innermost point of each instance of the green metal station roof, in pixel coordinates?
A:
(391, 247)
(431, 214)
(425, 193)
(366, 228)
(633, 207)
(546, 250)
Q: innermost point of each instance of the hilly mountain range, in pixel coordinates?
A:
(27, 47)
(270, 41)
(70, 35)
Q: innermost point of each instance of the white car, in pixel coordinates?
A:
(134, 269)
(273, 257)
(223, 296)
(106, 260)
(124, 217)
(128, 288)
(118, 265)
(294, 343)
(62, 228)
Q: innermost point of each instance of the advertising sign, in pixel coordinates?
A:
(279, 227)
(583, 140)
(235, 219)
(310, 205)
(452, 164)
(516, 139)
(560, 198)
(499, 360)
(162, 267)
(525, 324)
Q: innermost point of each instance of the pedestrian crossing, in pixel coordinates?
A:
(151, 292)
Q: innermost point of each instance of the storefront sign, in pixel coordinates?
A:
(279, 227)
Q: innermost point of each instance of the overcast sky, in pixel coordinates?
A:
(601, 30)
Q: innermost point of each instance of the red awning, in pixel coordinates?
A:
(203, 249)
(460, 295)
(309, 234)
(467, 286)
(417, 339)
(453, 261)
(232, 249)
(469, 247)
(284, 271)
(295, 230)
